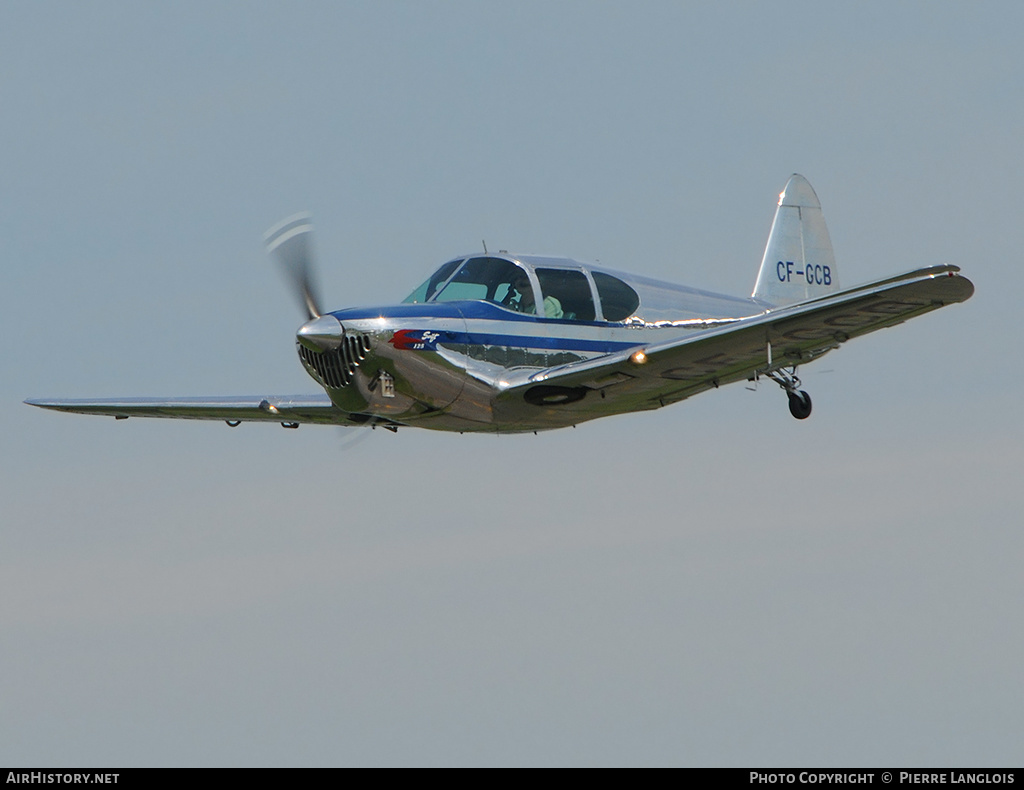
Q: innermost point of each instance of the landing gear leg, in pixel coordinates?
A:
(799, 401)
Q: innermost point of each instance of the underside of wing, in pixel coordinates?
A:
(649, 376)
(288, 409)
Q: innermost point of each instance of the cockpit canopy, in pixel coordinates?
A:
(574, 291)
(566, 289)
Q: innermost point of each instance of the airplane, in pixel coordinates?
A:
(523, 343)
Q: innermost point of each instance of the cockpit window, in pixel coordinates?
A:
(618, 300)
(481, 278)
(566, 294)
(430, 286)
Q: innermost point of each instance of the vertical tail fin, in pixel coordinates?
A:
(798, 263)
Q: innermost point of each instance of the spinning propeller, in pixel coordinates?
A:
(290, 244)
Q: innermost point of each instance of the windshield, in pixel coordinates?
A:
(482, 278)
(429, 287)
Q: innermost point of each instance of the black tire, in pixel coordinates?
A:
(799, 404)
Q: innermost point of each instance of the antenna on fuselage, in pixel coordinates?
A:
(484, 242)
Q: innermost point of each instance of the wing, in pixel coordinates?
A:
(290, 409)
(737, 351)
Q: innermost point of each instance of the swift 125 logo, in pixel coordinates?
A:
(813, 273)
(415, 340)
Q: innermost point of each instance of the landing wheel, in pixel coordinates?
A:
(799, 404)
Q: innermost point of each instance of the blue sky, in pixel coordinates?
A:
(710, 584)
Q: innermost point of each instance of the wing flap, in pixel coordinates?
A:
(316, 409)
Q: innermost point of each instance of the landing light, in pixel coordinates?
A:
(638, 358)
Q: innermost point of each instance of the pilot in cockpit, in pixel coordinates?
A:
(526, 302)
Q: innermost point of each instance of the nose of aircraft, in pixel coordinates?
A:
(323, 333)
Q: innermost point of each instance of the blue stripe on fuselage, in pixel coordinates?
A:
(532, 341)
(491, 316)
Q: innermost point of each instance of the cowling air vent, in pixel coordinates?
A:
(337, 367)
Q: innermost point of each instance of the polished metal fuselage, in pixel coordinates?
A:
(445, 365)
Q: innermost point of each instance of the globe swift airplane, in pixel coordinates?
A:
(515, 343)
